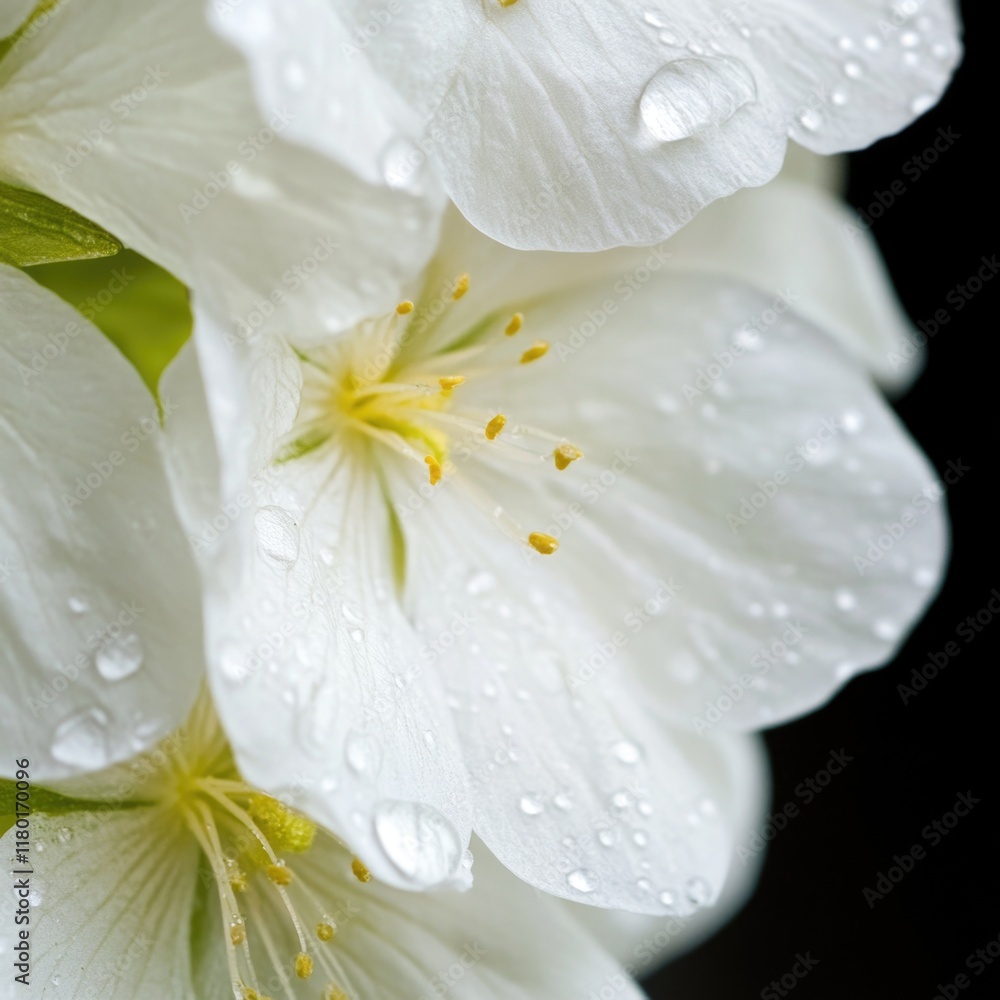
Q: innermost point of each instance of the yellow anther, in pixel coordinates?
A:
(303, 965)
(434, 468)
(565, 454)
(279, 874)
(286, 831)
(545, 544)
(495, 426)
(449, 382)
(517, 320)
(333, 992)
(361, 873)
(537, 350)
(461, 287)
(404, 307)
(325, 931)
(237, 934)
(238, 882)
(249, 994)
(507, 3)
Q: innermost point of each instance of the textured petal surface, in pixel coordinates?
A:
(111, 905)
(99, 600)
(139, 117)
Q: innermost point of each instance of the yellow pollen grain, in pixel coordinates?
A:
(237, 934)
(325, 931)
(303, 965)
(495, 426)
(461, 287)
(449, 382)
(279, 874)
(404, 307)
(537, 350)
(333, 992)
(238, 882)
(361, 873)
(434, 470)
(516, 322)
(565, 454)
(545, 544)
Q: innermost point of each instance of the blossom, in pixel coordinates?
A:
(463, 555)
(169, 876)
(141, 119)
(572, 126)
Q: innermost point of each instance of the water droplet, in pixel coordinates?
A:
(480, 583)
(607, 838)
(872, 43)
(120, 658)
(627, 752)
(562, 801)
(698, 891)
(886, 629)
(644, 884)
(582, 880)
(644, 808)
(655, 18)
(810, 119)
(668, 899)
(64, 835)
(924, 576)
(854, 69)
(78, 605)
(363, 753)
(639, 838)
(621, 800)
(401, 165)
(277, 534)
(689, 95)
(295, 74)
(82, 740)
(419, 841)
(844, 671)
(531, 805)
(922, 103)
(909, 39)
(845, 599)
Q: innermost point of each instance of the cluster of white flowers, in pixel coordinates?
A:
(447, 565)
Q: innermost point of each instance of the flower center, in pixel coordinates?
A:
(382, 389)
(245, 836)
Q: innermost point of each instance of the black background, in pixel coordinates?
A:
(910, 761)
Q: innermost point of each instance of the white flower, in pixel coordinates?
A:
(581, 126)
(717, 477)
(140, 118)
(102, 659)
(170, 877)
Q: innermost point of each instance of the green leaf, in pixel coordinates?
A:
(143, 309)
(43, 800)
(37, 230)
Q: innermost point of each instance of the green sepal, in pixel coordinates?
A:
(37, 230)
(44, 800)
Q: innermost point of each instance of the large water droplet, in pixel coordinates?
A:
(418, 840)
(689, 95)
(277, 534)
(120, 658)
(82, 740)
(582, 880)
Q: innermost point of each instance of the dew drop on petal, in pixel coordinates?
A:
(688, 95)
(277, 534)
(922, 103)
(120, 658)
(363, 753)
(845, 599)
(531, 805)
(78, 605)
(401, 164)
(606, 838)
(82, 740)
(582, 880)
(698, 891)
(418, 840)
(627, 752)
(886, 629)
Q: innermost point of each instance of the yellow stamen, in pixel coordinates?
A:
(325, 931)
(285, 830)
(279, 874)
(461, 287)
(545, 544)
(565, 454)
(449, 382)
(517, 320)
(507, 3)
(537, 350)
(361, 873)
(238, 882)
(237, 934)
(333, 992)
(303, 965)
(495, 426)
(404, 307)
(434, 468)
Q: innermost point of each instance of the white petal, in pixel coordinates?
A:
(156, 136)
(99, 598)
(13, 15)
(499, 941)
(111, 905)
(320, 682)
(749, 493)
(738, 773)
